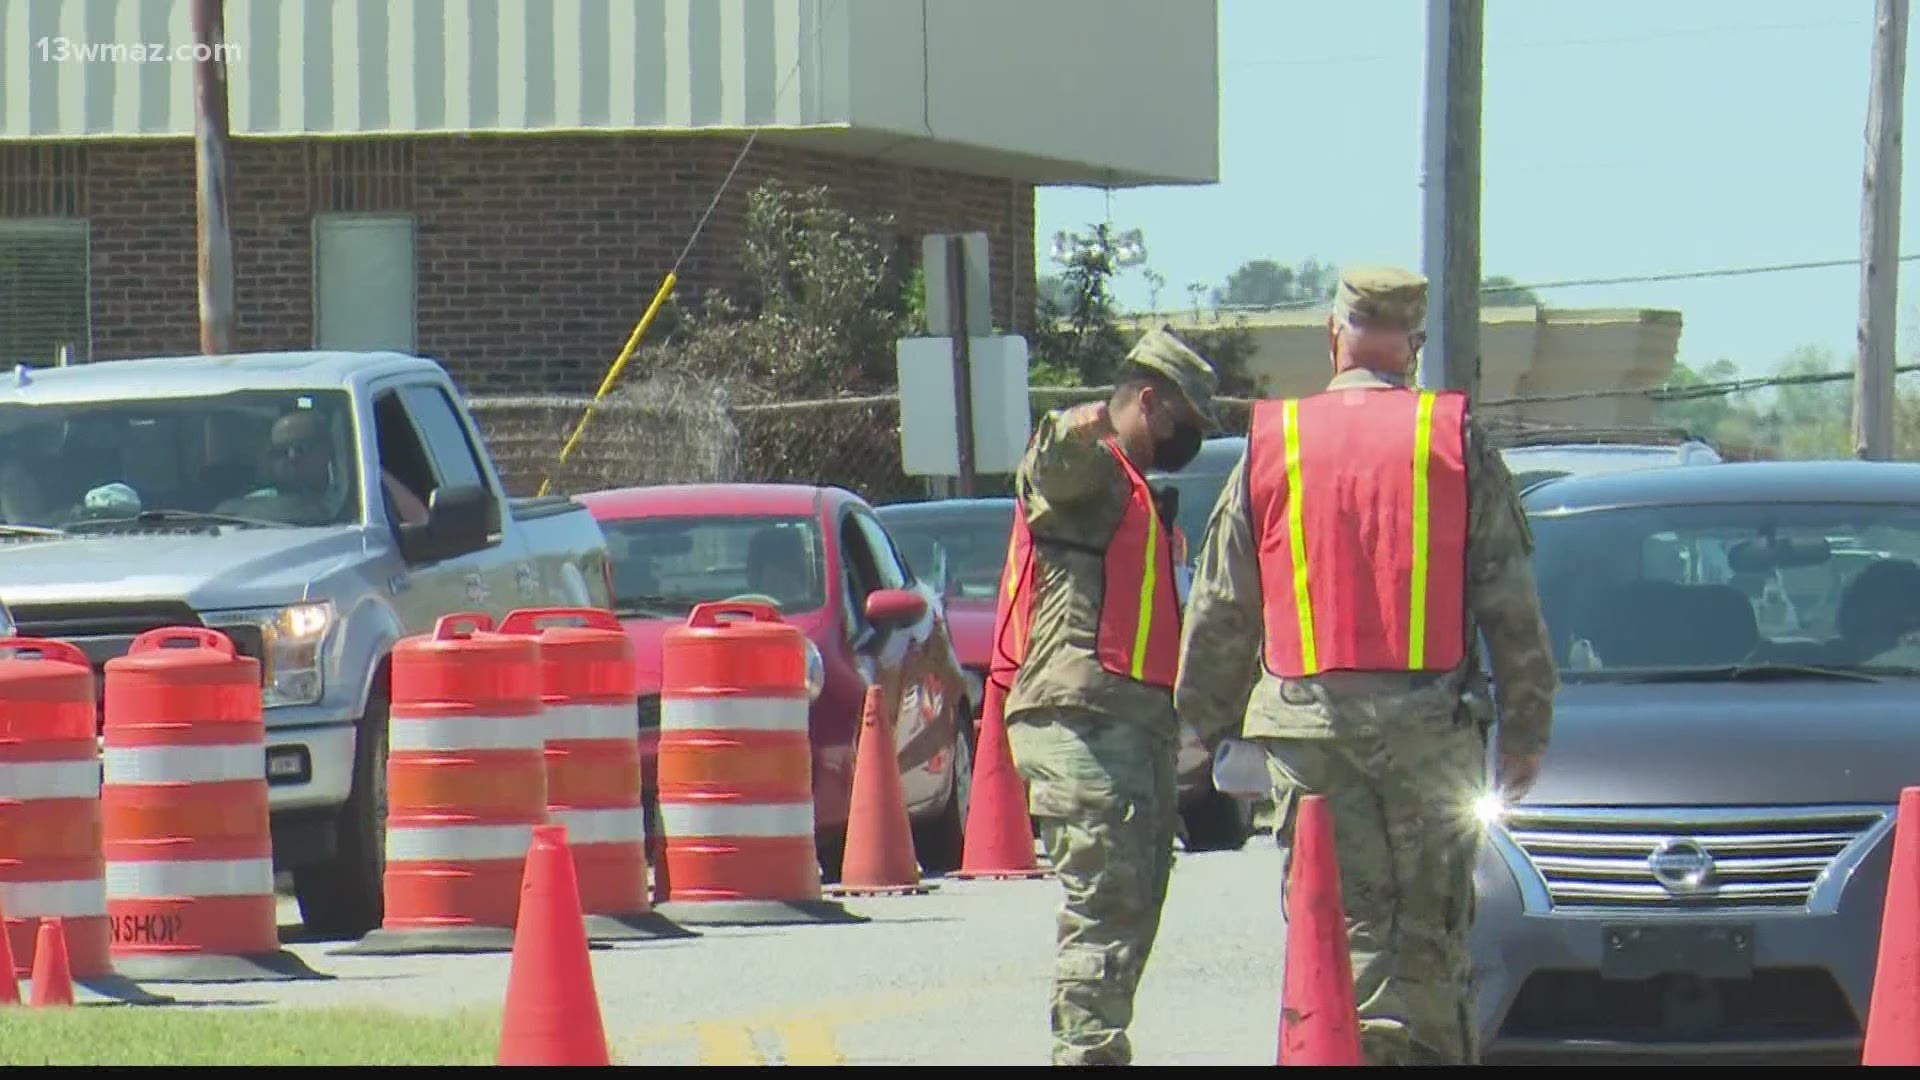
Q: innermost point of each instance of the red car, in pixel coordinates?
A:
(960, 546)
(822, 557)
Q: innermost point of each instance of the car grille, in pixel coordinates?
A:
(1757, 859)
(106, 631)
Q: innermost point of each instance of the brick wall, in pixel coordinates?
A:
(536, 255)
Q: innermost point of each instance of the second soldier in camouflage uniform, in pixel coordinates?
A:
(1399, 756)
(1096, 747)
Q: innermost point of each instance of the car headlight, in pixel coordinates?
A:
(290, 642)
(816, 671)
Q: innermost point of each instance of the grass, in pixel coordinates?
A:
(164, 1035)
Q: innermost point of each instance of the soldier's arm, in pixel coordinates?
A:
(1220, 640)
(1506, 605)
(1066, 466)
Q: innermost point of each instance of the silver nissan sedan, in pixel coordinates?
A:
(1700, 870)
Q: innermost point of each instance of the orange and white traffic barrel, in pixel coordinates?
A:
(52, 864)
(590, 688)
(188, 841)
(736, 771)
(466, 784)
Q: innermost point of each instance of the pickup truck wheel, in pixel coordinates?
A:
(345, 896)
(942, 842)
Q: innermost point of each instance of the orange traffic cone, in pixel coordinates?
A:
(879, 849)
(52, 976)
(1319, 1023)
(1893, 1013)
(552, 1014)
(999, 841)
(10, 985)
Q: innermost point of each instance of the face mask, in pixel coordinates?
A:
(1176, 451)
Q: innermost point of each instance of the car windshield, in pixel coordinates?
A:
(663, 566)
(252, 457)
(963, 553)
(1714, 588)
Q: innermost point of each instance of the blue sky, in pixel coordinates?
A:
(1623, 138)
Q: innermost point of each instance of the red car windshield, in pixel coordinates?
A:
(662, 567)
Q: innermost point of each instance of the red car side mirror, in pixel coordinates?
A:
(895, 607)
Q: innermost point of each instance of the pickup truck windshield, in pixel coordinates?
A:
(268, 457)
(662, 567)
(1732, 591)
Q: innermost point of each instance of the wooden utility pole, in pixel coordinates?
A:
(962, 360)
(1450, 183)
(1880, 237)
(210, 176)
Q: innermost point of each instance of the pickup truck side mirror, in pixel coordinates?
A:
(460, 520)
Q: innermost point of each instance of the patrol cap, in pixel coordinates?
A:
(1161, 351)
(1386, 297)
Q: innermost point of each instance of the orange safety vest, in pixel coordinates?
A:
(1139, 631)
(1358, 502)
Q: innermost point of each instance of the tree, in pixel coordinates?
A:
(824, 299)
(1080, 343)
(1266, 283)
(1503, 291)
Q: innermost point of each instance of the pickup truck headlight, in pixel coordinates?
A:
(291, 639)
(816, 671)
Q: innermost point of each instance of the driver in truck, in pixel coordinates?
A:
(299, 462)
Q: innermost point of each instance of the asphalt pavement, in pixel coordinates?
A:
(957, 976)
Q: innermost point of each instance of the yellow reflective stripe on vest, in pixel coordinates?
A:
(1147, 582)
(1296, 520)
(1417, 607)
(1014, 570)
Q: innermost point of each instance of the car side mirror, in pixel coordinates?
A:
(460, 520)
(892, 608)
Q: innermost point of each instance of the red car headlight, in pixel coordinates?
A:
(816, 671)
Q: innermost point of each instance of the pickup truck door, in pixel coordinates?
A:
(423, 446)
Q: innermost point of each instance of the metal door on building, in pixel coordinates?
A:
(363, 281)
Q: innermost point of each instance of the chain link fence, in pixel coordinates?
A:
(686, 431)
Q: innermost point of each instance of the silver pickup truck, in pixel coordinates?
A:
(315, 507)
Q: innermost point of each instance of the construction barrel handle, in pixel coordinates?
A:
(707, 616)
(45, 650)
(528, 620)
(477, 622)
(168, 637)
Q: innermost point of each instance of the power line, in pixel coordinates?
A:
(1570, 283)
(1695, 392)
(1554, 43)
(1690, 275)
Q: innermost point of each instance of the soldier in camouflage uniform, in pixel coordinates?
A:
(1400, 756)
(1097, 747)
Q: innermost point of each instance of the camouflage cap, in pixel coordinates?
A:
(1381, 296)
(1160, 350)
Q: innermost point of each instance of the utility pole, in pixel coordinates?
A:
(1450, 183)
(210, 176)
(1880, 237)
(962, 361)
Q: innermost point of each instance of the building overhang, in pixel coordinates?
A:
(990, 87)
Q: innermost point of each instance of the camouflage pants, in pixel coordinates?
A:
(1104, 794)
(1401, 802)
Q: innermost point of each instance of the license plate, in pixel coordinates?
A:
(1714, 950)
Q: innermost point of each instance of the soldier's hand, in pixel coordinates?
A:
(1517, 775)
(1089, 421)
